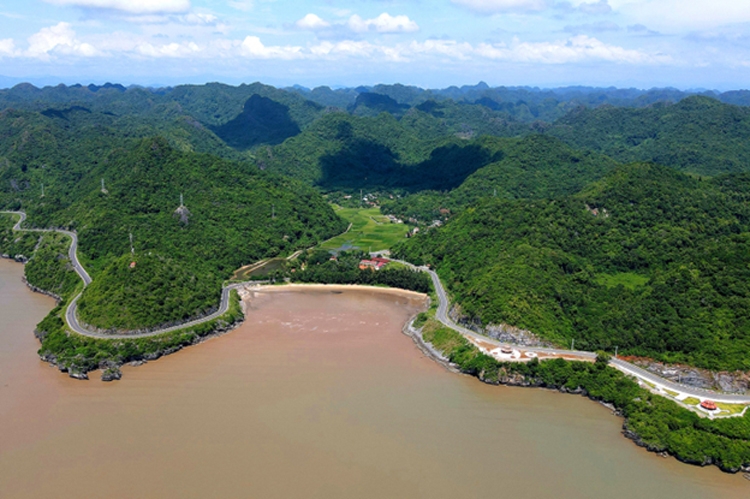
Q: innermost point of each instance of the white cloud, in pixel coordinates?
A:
(243, 5)
(61, 40)
(600, 7)
(357, 49)
(190, 19)
(252, 47)
(345, 47)
(130, 6)
(58, 39)
(312, 22)
(579, 48)
(449, 48)
(384, 23)
(496, 6)
(7, 47)
(173, 50)
(199, 19)
(678, 15)
(598, 27)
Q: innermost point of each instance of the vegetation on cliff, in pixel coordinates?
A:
(649, 260)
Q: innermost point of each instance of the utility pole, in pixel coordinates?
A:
(103, 189)
(42, 190)
(181, 200)
(132, 249)
(495, 194)
(615, 352)
(573, 344)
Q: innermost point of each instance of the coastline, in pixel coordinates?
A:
(334, 287)
(195, 335)
(427, 349)
(111, 370)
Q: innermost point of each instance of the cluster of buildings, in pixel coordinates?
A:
(375, 263)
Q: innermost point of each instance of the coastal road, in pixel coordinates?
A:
(441, 314)
(71, 317)
(626, 367)
(72, 251)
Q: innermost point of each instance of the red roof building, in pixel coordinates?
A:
(708, 405)
(376, 263)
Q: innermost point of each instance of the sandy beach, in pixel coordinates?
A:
(333, 288)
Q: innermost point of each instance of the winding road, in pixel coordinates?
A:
(71, 317)
(626, 367)
(442, 315)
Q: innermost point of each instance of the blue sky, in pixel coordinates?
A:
(642, 43)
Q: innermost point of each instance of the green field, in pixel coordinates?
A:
(629, 280)
(370, 231)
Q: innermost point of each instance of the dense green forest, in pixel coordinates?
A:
(343, 152)
(534, 167)
(234, 214)
(545, 229)
(318, 267)
(647, 259)
(523, 104)
(698, 135)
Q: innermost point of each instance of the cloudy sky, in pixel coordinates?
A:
(436, 43)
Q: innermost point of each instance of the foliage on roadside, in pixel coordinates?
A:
(319, 268)
(648, 259)
(78, 354)
(50, 267)
(15, 244)
(233, 215)
(654, 422)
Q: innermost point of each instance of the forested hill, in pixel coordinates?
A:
(698, 135)
(212, 104)
(524, 104)
(344, 152)
(182, 254)
(647, 259)
(216, 118)
(534, 167)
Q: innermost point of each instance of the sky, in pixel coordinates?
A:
(687, 44)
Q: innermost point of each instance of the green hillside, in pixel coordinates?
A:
(698, 135)
(182, 258)
(648, 259)
(343, 152)
(535, 167)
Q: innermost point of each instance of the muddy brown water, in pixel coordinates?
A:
(316, 395)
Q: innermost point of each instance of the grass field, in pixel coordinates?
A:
(370, 231)
(258, 269)
(725, 410)
(629, 280)
(732, 409)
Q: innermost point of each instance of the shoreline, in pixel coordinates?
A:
(335, 287)
(111, 370)
(433, 354)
